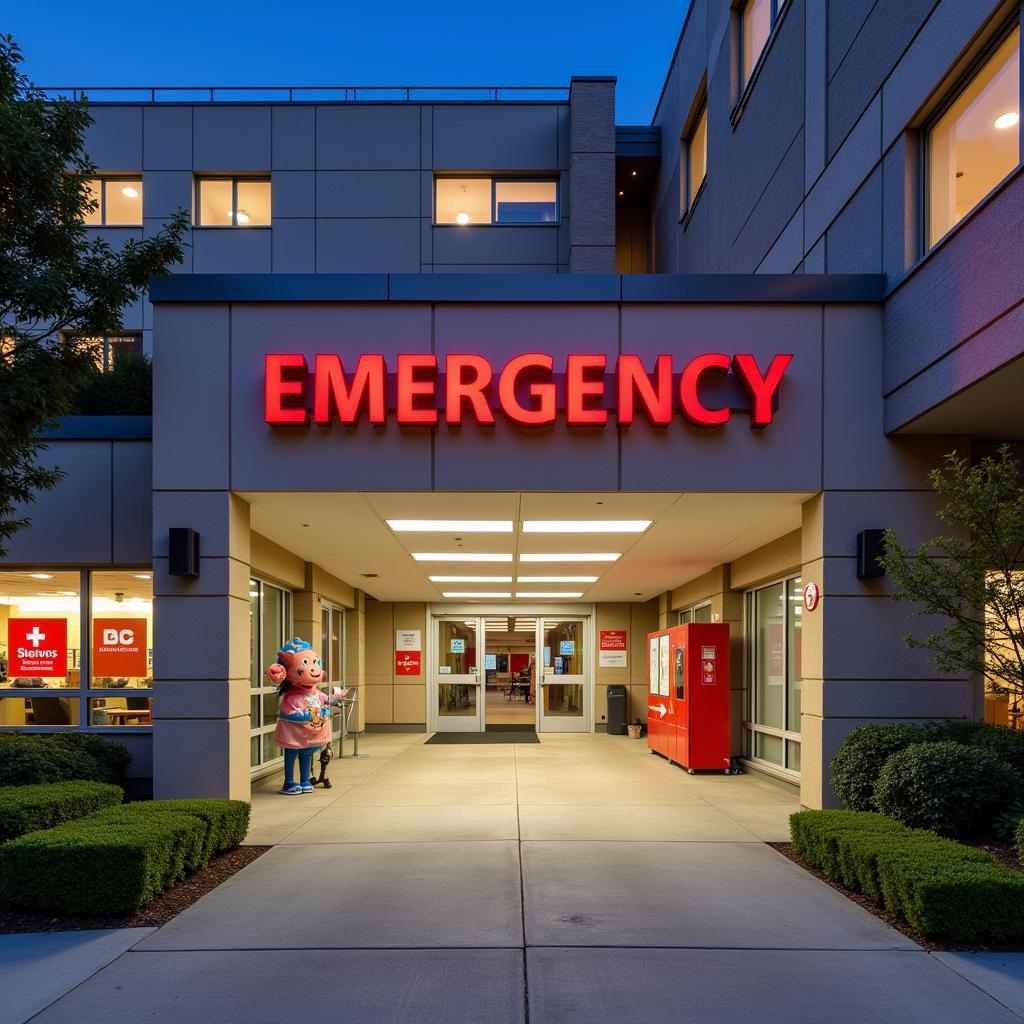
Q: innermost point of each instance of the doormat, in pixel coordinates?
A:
(483, 737)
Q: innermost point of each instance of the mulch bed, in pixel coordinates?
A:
(1003, 852)
(159, 912)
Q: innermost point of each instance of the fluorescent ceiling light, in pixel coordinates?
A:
(460, 556)
(571, 556)
(143, 576)
(470, 579)
(585, 525)
(544, 593)
(556, 579)
(450, 525)
(468, 593)
(41, 575)
(130, 192)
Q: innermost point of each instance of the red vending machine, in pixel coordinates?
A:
(688, 695)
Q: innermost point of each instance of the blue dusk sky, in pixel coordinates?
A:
(303, 42)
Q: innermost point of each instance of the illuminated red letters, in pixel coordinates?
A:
(528, 391)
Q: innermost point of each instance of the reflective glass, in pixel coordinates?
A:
(525, 202)
(40, 632)
(770, 656)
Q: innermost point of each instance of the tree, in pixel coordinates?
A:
(976, 583)
(58, 283)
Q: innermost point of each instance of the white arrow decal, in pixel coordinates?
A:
(661, 709)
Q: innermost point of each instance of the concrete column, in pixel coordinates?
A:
(592, 176)
(201, 650)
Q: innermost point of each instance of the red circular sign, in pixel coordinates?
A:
(812, 594)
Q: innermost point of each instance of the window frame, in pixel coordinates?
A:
(104, 179)
(691, 610)
(689, 197)
(83, 693)
(503, 179)
(335, 673)
(257, 669)
(104, 340)
(779, 9)
(750, 726)
(953, 87)
(197, 206)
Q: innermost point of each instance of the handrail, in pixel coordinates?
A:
(313, 94)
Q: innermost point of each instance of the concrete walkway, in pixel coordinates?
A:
(575, 880)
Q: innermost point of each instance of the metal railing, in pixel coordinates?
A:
(314, 94)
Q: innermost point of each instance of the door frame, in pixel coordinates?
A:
(481, 610)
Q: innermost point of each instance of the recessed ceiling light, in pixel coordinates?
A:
(470, 579)
(370, 575)
(585, 525)
(462, 218)
(634, 173)
(1007, 120)
(130, 192)
(450, 525)
(243, 217)
(571, 556)
(622, 193)
(467, 593)
(556, 579)
(545, 593)
(41, 575)
(461, 556)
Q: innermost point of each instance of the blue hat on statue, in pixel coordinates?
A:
(294, 646)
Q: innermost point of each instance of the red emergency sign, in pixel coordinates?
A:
(426, 390)
(37, 647)
(407, 663)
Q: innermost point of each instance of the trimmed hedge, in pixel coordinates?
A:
(118, 859)
(947, 787)
(940, 887)
(30, 808)
(859, 759)
(29, 759)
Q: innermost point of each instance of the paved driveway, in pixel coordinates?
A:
(575, 880)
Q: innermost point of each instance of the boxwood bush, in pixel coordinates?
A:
(30, 808)
(859, 759)
(940, 887)
(118, 859)
(947, 787)
(1007, 744)
(28, 759)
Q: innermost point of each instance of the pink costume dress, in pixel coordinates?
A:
(303, 719)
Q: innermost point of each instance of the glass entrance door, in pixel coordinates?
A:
(563, 692)
(458, 675)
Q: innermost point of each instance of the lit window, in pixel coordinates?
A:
(466, 201)
(975, 143)
(107, 352)
(758, 21)
(232, 202)
(118, 202)
(696, 162)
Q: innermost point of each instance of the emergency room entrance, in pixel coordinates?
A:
(505, 668)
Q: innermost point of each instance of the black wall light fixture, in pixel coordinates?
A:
(870, 547)
(183, 551)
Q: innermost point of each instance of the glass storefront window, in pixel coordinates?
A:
(270, 618)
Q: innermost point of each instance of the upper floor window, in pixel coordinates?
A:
(108, 351)
(227, 202)
(975, 142)
(467, 201)
(118, 202)
(758, 19)
(696, 163)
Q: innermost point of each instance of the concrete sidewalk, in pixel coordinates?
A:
(476, 883)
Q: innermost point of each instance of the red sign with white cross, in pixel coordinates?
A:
(407, 663)
(37, 647)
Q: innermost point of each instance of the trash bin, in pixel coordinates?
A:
(617, 710)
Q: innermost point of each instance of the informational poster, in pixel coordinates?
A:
(612, 647)
(547, 655)
(708, 666)
(458, 645)
(567, 648)
(37, 647)
(664, 668)
(119, 647)
(654, 664)
(407, 640)
(444, 670)
(408, 663)
(491, 662)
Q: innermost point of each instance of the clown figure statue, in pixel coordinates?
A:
(304, 716)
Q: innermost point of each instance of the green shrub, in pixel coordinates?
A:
(28, 759)
(944, 889)
(118, 859)
(126, 389)
(30, 808)
(947, 787)
(1007, 744)
(860, 757)
(1018, 838)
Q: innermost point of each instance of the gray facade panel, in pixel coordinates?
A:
(368, 194)
(232, 139)
(132, 504)
(114, 139)
(231, 250)
(293, 142)
(166, 192)
(293, 194)
(294, 246)
(367, 137)
(854, 241)
(845, 20)
(495, 245)
(167, 138)
(366, 245)
(496, 138)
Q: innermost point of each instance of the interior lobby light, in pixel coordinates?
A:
(1007, 120)
(461, 556)
(571, 556)
(585, 525)
(130, 192)
(469, 593)
(450, 525)
(143, 576)
(243, 217)
(545, 593)
(41, 575)
(470, 579)
(556, 579)
(462, 218)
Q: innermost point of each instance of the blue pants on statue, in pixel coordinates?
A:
(305, 759)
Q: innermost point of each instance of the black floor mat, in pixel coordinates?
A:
(505, 736)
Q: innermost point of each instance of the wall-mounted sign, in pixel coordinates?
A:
(458, 645)
(119, 647)
(612, 648)
(37, 647)
(567, 648)
(424, 391)
(407, 663)
(407, 640)
(812, 595)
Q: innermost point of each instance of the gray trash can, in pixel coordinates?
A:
(618, 710)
